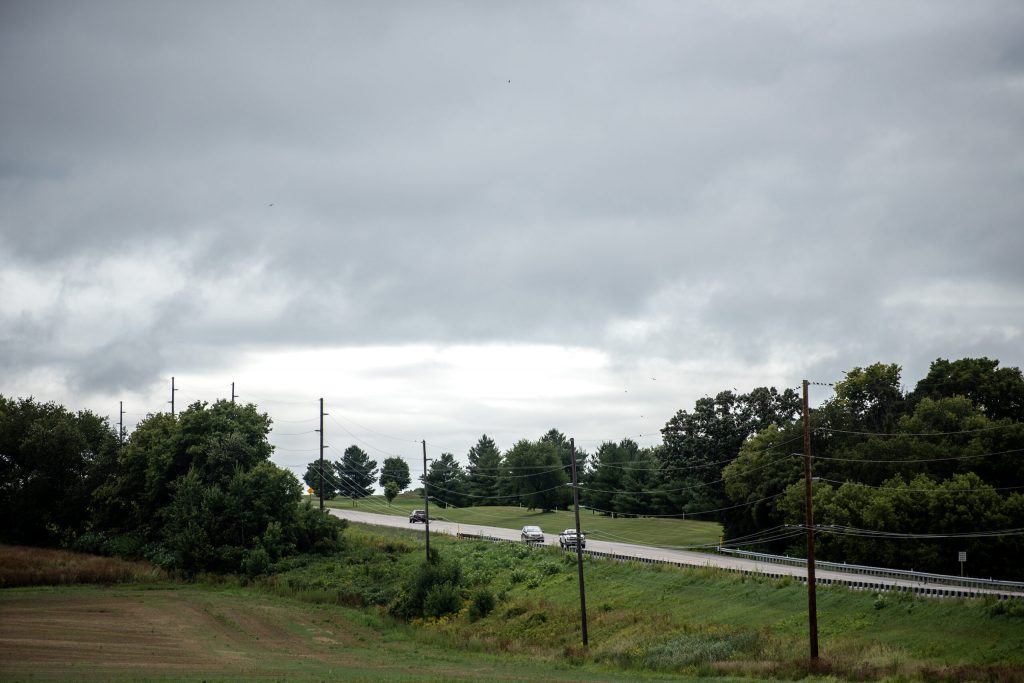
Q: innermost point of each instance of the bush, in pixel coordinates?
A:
(256, 562)
(442, 599)
(481, 604)
(419, 583)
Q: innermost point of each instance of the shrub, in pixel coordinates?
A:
(442, 599)
(482, 603)
(418, 584)
(256, 562)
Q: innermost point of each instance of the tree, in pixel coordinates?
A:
(698, 445)
(483, 473)
(612, 463)
(356, 473)
(200, 490)
(536, 475)
(395, 470)
(871, 398)
(51, 462)
(998, 392)
(390, 491)
(313, 479)
(763, 469)
(446, 482)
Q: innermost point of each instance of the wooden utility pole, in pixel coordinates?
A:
(233, 394)
(321, 430)
(172, 396)
(120, 424)
(426, 499)
(579, 536)
(812, 602)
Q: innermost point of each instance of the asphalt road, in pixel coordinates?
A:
(649, 553)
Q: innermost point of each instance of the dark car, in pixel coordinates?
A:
(418, 516)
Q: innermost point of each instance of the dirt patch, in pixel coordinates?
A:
(62, 633)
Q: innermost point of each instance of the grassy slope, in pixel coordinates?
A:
(659, 532)
(643, 622)
(662, 617)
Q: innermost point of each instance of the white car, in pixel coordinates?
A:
(570, 537)
(532, 534)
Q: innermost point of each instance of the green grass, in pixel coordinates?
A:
(699, 621)
(641, 531)
(326, 618)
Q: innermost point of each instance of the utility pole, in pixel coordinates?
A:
(120, 424)
(426, 499)
(172, 396)
(233, 394)
(579, 535)
(812, 602)
(320, 489)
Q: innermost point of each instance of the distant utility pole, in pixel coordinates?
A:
(579, 544)
(233, 394)
(321, 430)
(120, 424)
(426, 499)
(812, 602)
(172, 396)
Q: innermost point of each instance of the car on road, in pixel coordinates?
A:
(418, 516)
(532, 534)
(570, 537)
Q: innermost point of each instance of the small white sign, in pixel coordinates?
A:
(963, 555)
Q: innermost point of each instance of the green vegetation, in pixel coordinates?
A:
(482, 611)
(190, 492)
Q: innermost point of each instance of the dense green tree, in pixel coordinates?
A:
(329, 480)
(868, 399)
(355, 473)
(765, 467)
(698, 445)
(51, 461)
(483, 473)
(920, 524)
(446, 481)
(536, 475)
(395, 470)
(997, 392)
(608, 477)
(199, 491)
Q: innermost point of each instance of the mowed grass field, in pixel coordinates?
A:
(674, 533)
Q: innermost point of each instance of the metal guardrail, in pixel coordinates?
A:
(880, 572)
(1007, 592)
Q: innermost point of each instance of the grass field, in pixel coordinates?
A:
(641, 531)
(326, 619)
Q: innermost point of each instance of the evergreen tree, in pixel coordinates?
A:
(356, 473)
(483, 474)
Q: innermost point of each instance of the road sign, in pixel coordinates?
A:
(963, 556)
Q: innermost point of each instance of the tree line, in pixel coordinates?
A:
(892, 467)
(903, 478)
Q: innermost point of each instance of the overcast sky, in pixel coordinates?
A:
(452, 218)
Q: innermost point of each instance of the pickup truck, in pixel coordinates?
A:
(418, 516)
(570, 537)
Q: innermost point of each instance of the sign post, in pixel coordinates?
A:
(963, 558)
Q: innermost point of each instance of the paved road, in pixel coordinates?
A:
(650, 553)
